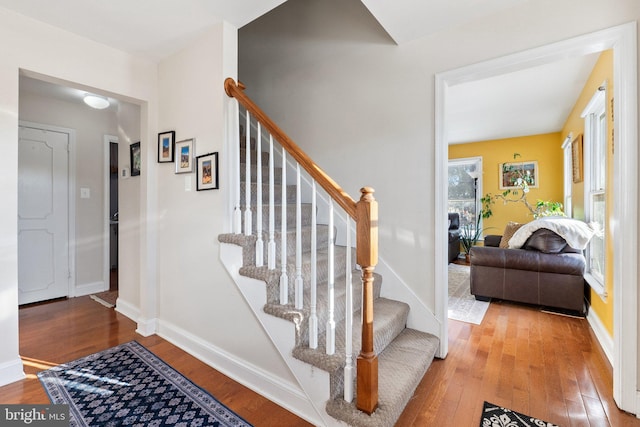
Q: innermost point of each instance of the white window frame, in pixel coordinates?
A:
(595, 178)
(568, 175)
(477, 162)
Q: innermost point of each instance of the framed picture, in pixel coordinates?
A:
(576, 158)
(166, 145)
(207, 172)
(136, 158)
(511, 172)
(184, 155)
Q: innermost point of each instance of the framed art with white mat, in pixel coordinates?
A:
(207, 172)
(184, 155)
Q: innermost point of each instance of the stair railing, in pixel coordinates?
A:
(365, 214)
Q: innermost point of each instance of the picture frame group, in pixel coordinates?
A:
(182, 154)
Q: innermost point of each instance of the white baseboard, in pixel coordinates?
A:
(127, 309)
(264, 383)
(604, 339)
(89, 288)
(11, 371)
(147, 327)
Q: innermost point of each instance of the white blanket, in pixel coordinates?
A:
(575, 232)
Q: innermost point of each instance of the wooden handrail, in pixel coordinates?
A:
(341, 197)
(365, 214)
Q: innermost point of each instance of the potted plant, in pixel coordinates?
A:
(470, 234)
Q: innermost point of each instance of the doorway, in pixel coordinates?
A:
(45, 212)
(111, 212)
(622, 40)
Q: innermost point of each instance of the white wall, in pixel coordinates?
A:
(90, 125)
(129, 208)
(200, 308)
(171, 280)
(62, 57)
(363, 108)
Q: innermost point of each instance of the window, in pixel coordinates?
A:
(568, 175)
(595, 161)
(465, 184)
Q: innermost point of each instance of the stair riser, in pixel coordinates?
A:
(322, 303)
(277, 174)
(254, 157)
(322, 241)
(322, 270)
(291, 216)
(277, 194)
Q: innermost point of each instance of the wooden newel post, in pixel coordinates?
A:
(367, 258)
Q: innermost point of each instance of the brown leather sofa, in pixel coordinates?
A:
(545, 272)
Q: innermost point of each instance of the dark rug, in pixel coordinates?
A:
(129, 385)
(496, 416)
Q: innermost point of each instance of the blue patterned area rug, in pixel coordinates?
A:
(496, 416)
(129, 385)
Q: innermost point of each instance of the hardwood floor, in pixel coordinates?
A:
(66, 330)
(544, 365)
(541, 364)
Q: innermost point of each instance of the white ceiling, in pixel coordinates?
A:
(151, 28)
(532, 101)
(527, 102)
(407, 20)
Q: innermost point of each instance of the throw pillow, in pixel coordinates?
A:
(509, 230)
(546, 241)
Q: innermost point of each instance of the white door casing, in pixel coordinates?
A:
(43, 215)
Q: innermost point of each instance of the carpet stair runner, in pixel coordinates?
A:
(404, 355)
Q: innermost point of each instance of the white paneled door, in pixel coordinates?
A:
(43, 215)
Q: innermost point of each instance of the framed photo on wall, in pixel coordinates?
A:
(576, 158)
(207, 172)
(185, 155)
(511, 172)
(136, 158)
(166, 145)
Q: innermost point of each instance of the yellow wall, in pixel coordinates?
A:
(545, 149)
(602, 71)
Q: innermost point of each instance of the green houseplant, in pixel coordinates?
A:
(470, 234)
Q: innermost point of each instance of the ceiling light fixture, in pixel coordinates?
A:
(97, 102)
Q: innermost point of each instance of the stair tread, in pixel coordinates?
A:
(401, 367)
(389, 317)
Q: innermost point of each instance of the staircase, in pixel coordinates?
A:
(305, 252)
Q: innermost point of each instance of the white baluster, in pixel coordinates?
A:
(348, 345)
(271, 246)
(313, 317)
(331, 323)
(259, 242)
(299, 282)
(284, 279)
(247, 181)
(237, 211)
